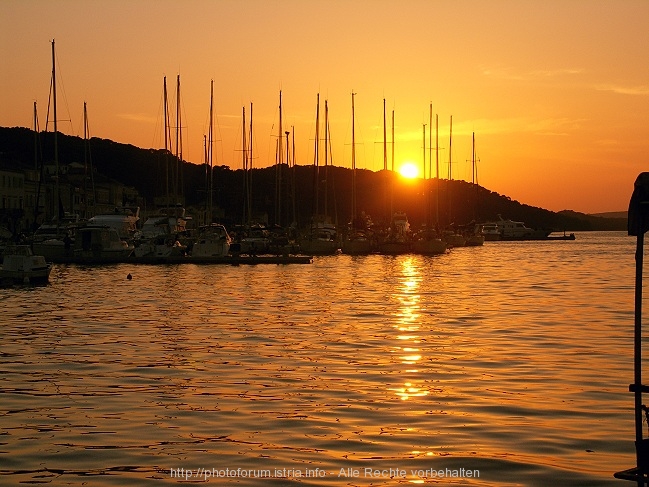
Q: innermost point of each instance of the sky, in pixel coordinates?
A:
(555, 91)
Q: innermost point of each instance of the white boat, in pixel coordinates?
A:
(512, 230)
(320, 239)
(213, 241)
(100, 244)
(161, 234)
(160, 246)
(123, 219)
(490, 232)
(21, 266)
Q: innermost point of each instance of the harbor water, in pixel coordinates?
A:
(502, 365)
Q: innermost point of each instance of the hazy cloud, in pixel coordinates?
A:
(642, 90)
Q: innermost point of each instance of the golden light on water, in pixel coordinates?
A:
(408, 349)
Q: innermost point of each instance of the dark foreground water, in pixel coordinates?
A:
(502, 365)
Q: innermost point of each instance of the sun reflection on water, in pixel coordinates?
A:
(408, 322)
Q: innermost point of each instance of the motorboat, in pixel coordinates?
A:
(398, 239)
(213, 241)
(21, 266)
(124, 220)
(428, 243)
(320, 239)
(512, 230)
(100, 244)
(357, 242)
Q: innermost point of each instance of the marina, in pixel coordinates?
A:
(466, 361)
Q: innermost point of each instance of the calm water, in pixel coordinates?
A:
(510, 362)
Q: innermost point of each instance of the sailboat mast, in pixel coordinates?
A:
(210, 181)
(326, 151)
(293, 175)
(178, 142)
(244, 159)
(450, 158)
(430, 161)
(425, 193)
(278, 170)
(392, 175)
(385, 162)
(250, 172)
(166, 158)
(353, 161)
(437, 166)
(35, 138)
(57, 194)
(316, 156)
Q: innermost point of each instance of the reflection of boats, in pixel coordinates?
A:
(21, 266)
(213, 241)
(100, 244)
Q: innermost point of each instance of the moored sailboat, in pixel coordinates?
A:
(357, 240)
(427, 241)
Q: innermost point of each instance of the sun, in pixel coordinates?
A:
(408, 170)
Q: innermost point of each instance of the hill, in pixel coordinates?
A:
(302, 192)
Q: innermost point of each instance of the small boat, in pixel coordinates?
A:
(123, 219)
(213, 241)
(357, 242)
(21, 266)
(428, 243)
(320, 239)
(490, 232)
(512, 230)
(398, 239)
(100, 244)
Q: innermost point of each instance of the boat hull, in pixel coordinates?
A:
(429, 247)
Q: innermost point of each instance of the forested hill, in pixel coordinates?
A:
(377, 192)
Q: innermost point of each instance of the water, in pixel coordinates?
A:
(501, 365)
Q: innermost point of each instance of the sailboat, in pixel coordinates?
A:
(54, 240)
(453, 238)
(477, 237)
(321, 238)
(397, 239)
(427, 242)
(357, 241)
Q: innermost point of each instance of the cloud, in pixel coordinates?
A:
(545, 126)
(510, 73)
(642, 90)
(137, 117)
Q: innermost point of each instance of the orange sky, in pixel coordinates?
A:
(557, 92)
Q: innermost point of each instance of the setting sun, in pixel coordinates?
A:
(408, 170)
